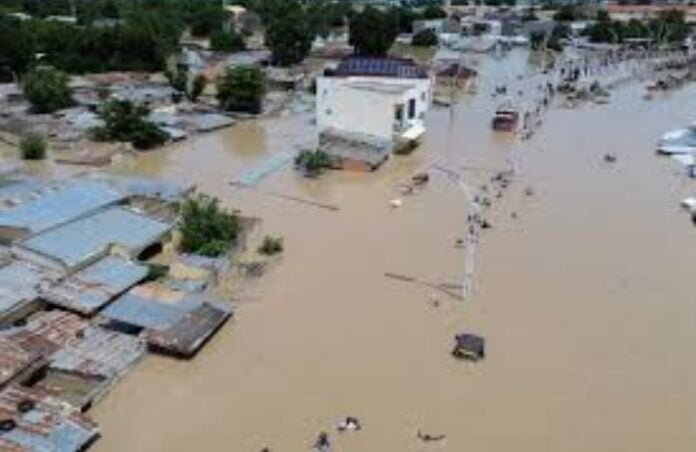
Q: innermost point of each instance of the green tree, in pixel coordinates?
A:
(242, 89)
(206, 19)
(32, 146)
(47, 89)
(372, 32)
(124, 121)
(424, 38)
(206, 228)
(565, 14)
(289, 37)
(434, 12)
(17, 48)
(223, 41)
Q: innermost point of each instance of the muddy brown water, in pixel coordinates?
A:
(586, 299)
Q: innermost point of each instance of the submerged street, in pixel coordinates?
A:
(584, 297)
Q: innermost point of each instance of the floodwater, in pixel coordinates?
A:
(586, 298)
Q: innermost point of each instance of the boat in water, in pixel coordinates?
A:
(506, 118)
(679, 141)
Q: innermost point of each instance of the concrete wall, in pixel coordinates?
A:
(342, 104)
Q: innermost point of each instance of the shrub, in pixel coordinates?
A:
(223, 41)
(424, 38)
(271, 245)
(33, 147)
(206, 228)
(313, 163)
(242, 89)
(124, 121)
(47, 90)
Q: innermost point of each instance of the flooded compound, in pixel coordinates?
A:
(581, 287)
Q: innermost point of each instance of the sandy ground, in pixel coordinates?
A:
(585, 299)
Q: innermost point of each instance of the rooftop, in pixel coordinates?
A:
(43, 423)
(56, 207)
(92, 287)
(379, 67)
(88, 237)
(20, 283)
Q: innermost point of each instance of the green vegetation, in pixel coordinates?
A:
(226, 41)
(17, 49)
(47, 89)
(434, 12)
(551, 41)
(124, 121)
(289, 37)
(197, 87)
(242, 89)
(670, 26)
(567, 13)
(271, 246)
(312, 163)
(372, 32)
(206, 228)
(424, 38)
(32, 146)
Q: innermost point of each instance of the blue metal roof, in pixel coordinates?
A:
(133, 309)
(18, 284)
(381, 67)
(63, 205)
(76, 242)
(89, 289)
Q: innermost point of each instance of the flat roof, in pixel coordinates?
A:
(94, 286)
(20, 282)
(80, 240)
(66, 203)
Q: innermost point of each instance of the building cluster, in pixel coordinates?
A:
(85, 292)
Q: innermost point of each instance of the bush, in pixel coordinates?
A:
(424, 38)
(197, 87)
(33, 147)
(124, 121)
(206, 228)
(313, 163)
(47, 90)
(222, 41)
(271, 245)
(242, 89)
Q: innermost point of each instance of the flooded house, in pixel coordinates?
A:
(172, 322)
(378, 103)
(33, 420)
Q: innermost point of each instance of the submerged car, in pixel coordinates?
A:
(679, 141)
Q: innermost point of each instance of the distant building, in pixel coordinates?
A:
(377, 100)
(646, 12)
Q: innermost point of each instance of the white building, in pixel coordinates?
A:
(379, 99)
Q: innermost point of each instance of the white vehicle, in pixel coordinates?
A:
(680, 141)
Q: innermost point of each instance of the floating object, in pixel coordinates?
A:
(469, 347)
(609, 158)
(689, 204)
(396, 202)
(350, 423)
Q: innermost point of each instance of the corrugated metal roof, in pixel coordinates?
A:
(47, 331)
(86, 238)
(49, 426)
(65, 204)
(20, 283)
(14, 360)
(150, 188)
(137, 310)
(100, 353)
(91, 288)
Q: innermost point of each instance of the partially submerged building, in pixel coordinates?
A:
(381, 100)
(171, 322)
(91, 288)
(33, 420)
